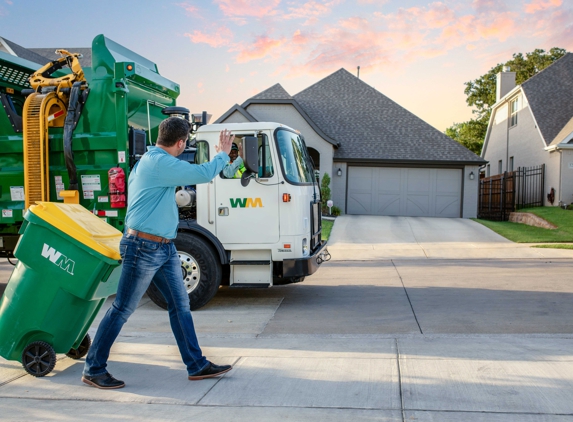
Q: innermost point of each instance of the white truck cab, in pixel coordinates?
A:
(258, 230)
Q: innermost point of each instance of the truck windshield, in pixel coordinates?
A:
(294, 157)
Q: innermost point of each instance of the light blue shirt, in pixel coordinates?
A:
(151, 206)
(231, 168)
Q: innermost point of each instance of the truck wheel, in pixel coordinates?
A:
(38, 358)
(200, 268)
(82, 349)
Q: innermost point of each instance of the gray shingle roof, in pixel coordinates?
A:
(275, 92)
(50, 53)
(370, 126)
(238, 109)
(550, 96)
(26, 53)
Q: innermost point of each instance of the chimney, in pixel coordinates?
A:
(505, 83)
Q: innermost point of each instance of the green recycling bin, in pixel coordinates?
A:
(68, 265)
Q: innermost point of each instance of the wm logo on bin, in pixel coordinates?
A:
(58, 258)
(246, 202)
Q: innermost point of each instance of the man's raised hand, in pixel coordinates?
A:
(225, 141)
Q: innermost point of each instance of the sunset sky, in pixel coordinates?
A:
(221, 52)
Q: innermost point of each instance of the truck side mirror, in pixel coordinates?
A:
(251, 153)
(250, 158)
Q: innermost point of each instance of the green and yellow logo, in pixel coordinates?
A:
(246, 202)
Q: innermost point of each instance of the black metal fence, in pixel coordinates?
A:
(502, 194)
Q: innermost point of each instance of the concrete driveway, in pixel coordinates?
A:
(365, 238)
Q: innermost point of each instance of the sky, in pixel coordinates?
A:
(222, 52)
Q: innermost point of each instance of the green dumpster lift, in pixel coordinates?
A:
(68, 265)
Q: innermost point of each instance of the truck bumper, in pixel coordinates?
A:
(305, 266)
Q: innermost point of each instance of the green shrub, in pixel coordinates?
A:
(325, 192)
(336, 211)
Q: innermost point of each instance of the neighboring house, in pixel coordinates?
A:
(532, 124)
(43, 56)
(382, 159)
(9, 47)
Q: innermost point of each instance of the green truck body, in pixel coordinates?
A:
(126, 96)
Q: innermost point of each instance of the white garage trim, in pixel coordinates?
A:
(404, 191)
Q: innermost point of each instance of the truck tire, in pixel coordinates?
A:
(201, 271)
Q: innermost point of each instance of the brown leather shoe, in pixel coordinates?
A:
(210, 371)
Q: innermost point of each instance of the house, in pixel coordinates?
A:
(43, 56)
(383, 160)
(532, 124)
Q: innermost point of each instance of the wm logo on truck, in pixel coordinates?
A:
(58, 259)
(246, 202)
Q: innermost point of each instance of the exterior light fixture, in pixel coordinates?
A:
(339, 172)
(472, 176)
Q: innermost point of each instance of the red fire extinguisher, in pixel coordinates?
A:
(116, 178)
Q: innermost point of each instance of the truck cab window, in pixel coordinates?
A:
(294, 157)
(202, 152)
(266, 168)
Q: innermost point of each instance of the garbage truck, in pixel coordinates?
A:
(72, 134)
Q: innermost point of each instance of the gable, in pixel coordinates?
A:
(550, 96)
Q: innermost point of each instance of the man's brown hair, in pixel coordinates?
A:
(172, 130)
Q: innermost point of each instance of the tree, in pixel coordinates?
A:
(481, 93)
(470, 134)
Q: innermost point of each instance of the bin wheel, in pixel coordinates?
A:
(201, 271)
(38, 358)
(82, 349)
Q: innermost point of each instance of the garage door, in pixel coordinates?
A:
(413, 192)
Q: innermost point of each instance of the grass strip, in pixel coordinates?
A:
(522, 233)
(326, 228)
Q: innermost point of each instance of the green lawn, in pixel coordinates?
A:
(555, 246)
(327, 227)
(523, 233)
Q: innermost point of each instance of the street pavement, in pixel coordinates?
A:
(436, 336)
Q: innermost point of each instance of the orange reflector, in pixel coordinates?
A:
(130, 67)
(286, 197)
(287, 245)
(9, 91)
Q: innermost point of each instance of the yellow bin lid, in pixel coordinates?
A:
(81, 225)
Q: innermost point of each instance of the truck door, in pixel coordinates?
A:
(249, 214)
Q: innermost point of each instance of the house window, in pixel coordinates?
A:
(500, 167)
(513, 111)
(487, 171)
(510, 163)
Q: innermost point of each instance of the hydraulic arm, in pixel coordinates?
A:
(53, 102)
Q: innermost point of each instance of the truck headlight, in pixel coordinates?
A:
(304, 247)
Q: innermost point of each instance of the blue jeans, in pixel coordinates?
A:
(144, 261)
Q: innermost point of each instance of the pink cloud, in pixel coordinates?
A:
(263, 47)
(471, 28)
(311, 9)
(188, 7)
(557, 28)
(254, 8)
(220, 37)
(538, 5)
(354, 23)
(10, 2)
